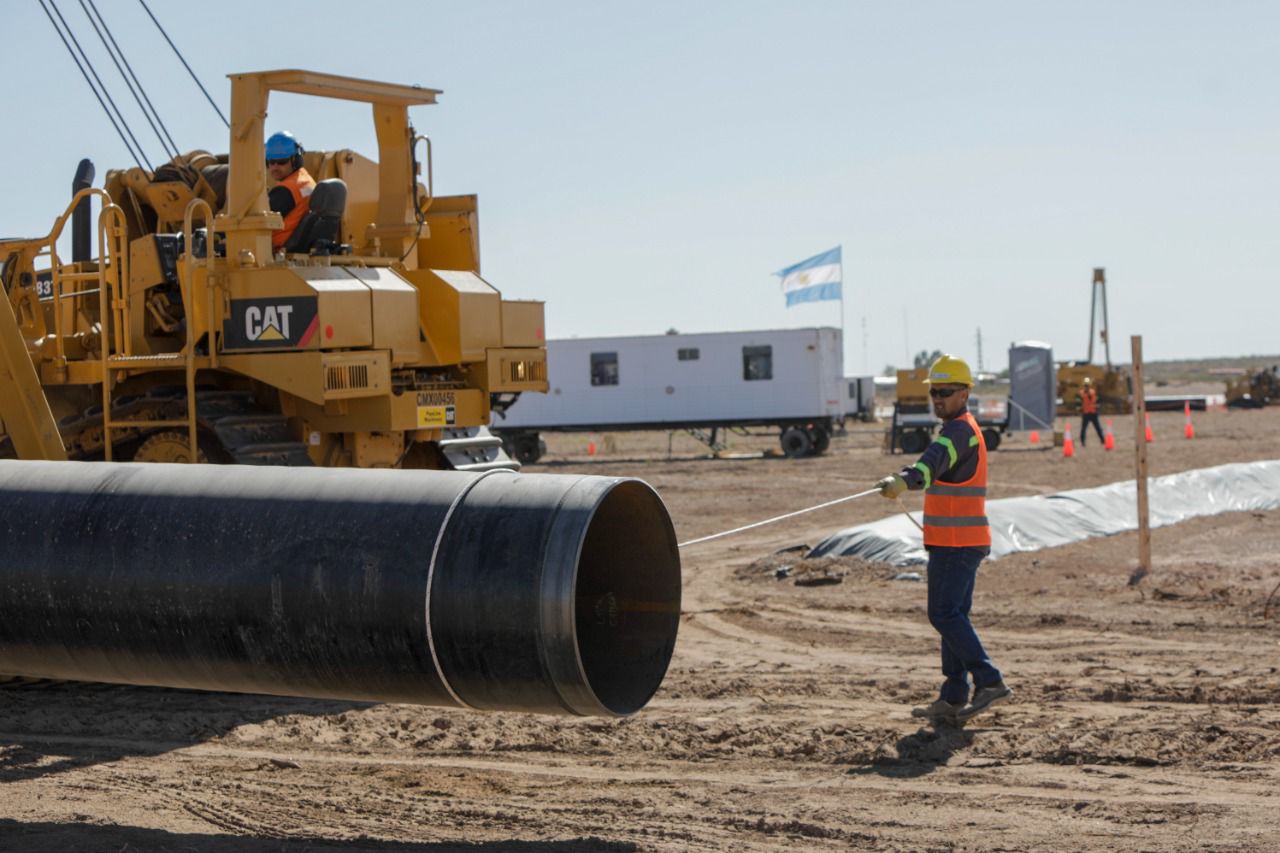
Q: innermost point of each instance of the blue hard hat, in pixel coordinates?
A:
(281, 146)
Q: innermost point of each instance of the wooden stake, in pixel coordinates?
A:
(1140, 444)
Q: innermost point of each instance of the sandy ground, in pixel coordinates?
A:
(1145, 718)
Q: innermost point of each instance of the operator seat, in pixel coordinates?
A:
(317, 232)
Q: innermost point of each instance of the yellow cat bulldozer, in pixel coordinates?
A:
(1258, 387)
(371, 340)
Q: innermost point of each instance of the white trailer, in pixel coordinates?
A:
(788, 378)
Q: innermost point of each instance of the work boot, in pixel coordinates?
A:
(940, 709)
(984, 698)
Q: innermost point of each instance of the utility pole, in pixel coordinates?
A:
(866, 367)
(981, 368)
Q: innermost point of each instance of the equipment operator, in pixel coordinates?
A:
(291, 197)
(952, 471)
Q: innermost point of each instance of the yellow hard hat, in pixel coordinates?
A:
(1088, 381)
(950, 370)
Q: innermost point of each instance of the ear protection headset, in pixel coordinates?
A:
(282, 145)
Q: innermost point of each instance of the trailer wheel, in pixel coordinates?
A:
(528, 447)
(821, 439)
(796, 442)
(914, 441)
(991, 438)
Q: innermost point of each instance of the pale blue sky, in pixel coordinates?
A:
(643, 166)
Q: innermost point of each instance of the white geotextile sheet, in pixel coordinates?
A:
(1043, 521)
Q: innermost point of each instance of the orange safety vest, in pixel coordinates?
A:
(299, 184)
(955, 514)
(1089, 401)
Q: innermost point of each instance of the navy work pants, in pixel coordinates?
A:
(952, 574)
(1085, 420)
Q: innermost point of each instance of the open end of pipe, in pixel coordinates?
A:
(627, 597)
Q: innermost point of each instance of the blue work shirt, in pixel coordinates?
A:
(951, 458)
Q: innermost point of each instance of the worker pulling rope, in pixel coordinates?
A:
(780, 517)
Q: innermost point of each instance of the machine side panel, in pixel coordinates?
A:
(24, 410)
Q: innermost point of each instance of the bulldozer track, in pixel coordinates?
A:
(232, 428)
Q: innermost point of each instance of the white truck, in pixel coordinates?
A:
(701, 383)
(860, 398)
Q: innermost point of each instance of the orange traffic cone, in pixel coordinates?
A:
(1109, 440)
(591, 448)
(1035, 436)
(1188, 431)
(1068, 446)
(1150, 436)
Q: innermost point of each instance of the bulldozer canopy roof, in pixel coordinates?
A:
(303, 82)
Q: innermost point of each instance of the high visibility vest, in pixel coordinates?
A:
(955, 514)
(300, 185)
(1089, 401)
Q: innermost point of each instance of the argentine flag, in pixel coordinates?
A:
(815, 279)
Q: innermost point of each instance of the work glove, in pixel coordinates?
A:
(892, 486)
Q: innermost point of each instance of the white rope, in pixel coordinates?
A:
(908, 514)
(780, 517)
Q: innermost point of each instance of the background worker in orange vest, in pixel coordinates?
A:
(1089, 411)
(953, 473)
(291, 197)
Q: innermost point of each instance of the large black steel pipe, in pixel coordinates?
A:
(547, 593)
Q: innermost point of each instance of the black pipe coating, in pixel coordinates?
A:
(502, 591)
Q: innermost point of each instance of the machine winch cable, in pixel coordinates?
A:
(100, 90)
(140, 96)
(183, 60)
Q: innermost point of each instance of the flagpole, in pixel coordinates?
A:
(844, 340)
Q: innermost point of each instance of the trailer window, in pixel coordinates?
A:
(604, 368)
(757, 363)
(689, 354)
